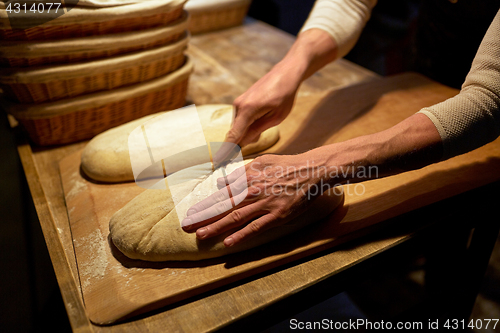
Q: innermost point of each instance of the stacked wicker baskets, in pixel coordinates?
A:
(95, 67)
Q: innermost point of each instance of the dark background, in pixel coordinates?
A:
(388, 31)
(438, 38)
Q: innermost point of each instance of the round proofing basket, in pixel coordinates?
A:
(37, 53)
(42, 84)
(90, 21)
(86, 116)
(210, 15)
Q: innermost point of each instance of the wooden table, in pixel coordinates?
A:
(234, 59)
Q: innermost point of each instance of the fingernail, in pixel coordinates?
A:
(186, 223)
(229, 241)
(191, 211)
(201, 233)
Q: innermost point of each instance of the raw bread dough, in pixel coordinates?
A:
(106, 157)
(148, 227)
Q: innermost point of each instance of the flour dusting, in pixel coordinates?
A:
(78, 186)
(95, 266)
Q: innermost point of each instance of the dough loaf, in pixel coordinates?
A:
(148, 227)
(106, 157)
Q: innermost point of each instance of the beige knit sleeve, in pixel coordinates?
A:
(472, 118)
(342, 19)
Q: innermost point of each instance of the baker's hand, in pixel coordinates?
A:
(271, 98)
(270, 191)
(266, 104)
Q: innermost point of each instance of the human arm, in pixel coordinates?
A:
(472, 118)
(280, 187)
(330, 32)
(455, 126)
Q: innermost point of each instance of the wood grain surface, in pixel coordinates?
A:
(115, 287)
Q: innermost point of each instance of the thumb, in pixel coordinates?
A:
(229, 147)
(237, 130)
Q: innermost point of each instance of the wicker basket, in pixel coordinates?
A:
(37, 53)
(42, 84)
(83, 21)
(210, 15)
(86, 116)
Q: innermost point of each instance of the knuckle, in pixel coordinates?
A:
(232, 134)
(253, 191)
(238, 173)
(241, 105)
(252, 177)
(239, 102)
(236, 216)
(200, 206)
(219, 196)
(240, 187)
(281, 212)
(221, 208)
(255, 227)
(221, 182)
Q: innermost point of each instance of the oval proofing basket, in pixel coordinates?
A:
(210, 15)
(51, 83)
(86, 116)
(90, 21)
(64, 51)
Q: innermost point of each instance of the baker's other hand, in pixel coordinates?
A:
(268, 192)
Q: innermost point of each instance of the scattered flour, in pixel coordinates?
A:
(95, 266)
(78, 186)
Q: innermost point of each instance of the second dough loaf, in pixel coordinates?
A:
(148, 227)
(106, 157)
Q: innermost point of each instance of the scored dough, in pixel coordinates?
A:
(106, 157)
(148, 227)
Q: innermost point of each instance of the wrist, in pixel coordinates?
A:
(347, 162)
(409, 145)
(312, 50)
(291, 71)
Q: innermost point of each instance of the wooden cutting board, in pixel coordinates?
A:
(115, 287)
